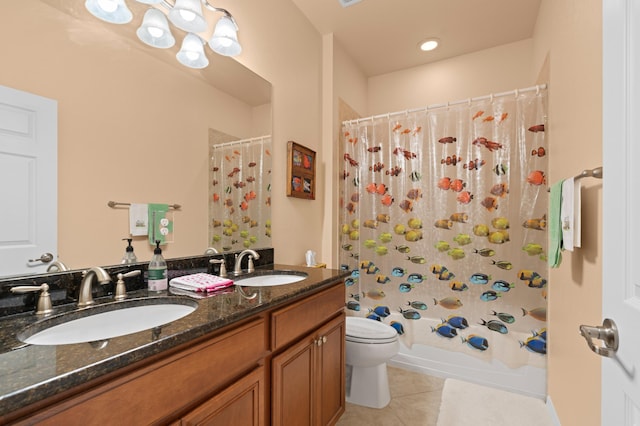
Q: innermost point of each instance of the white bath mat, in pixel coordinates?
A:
(469, 404)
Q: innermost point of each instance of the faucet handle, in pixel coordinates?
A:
(121, 289)
(250, 266)
(223, 268)
(44, 306)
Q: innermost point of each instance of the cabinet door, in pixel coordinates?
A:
(331, 371)
(293, 384)
(241, 404)
(308, 378)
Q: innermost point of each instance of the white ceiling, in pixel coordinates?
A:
(382, 35)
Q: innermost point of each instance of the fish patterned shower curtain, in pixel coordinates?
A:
(240, 194)
(443, 225)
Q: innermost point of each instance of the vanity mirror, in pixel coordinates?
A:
(133, 125)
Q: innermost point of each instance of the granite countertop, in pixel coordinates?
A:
(30, 373)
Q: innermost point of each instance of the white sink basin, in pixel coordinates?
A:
(96, 323)
(266, 280)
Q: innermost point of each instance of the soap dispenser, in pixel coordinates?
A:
(129, 255)
(157, 270)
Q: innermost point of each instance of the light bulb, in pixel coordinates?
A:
(108, 6)
(428, 45)
(187, 15)
(155, 32)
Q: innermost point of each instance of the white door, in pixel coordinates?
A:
(621, 208)
(28, 181)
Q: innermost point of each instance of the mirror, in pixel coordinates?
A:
(133, 123)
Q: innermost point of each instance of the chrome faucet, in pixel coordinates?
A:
(57, 266)
(85, 298)
(250, 268)
(211, 250)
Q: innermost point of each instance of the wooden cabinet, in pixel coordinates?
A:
(284, 366)
(308, 377)
(159, 392)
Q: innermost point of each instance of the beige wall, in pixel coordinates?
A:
(569, 32)
(282, 46)
(348, 97)
(495, 70)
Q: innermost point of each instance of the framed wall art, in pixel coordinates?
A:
(301, 172)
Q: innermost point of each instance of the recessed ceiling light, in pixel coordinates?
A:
(429, 44)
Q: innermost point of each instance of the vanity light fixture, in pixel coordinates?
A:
(183, 14)
(429, 44)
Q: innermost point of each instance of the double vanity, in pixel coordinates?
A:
(267, 352)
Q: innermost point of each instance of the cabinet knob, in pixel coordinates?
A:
(320, 340)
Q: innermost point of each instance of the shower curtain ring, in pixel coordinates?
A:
(537, 89)
(491, 98)
(517, 93)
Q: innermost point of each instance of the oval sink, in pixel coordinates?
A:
(107, 321)
(271, 279)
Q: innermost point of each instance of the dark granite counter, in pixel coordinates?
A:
(29, 373)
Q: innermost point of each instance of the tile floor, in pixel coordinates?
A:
(415, 401)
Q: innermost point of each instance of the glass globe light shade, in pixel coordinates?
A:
(112, 11)
(187, 15)
(155, 31)
(224, 40)
(191, 53)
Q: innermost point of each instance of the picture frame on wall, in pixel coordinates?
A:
(301, 171)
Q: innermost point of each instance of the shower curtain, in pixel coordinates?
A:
(239, 194)
(443, 225)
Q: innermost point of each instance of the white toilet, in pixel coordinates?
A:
(370, 344)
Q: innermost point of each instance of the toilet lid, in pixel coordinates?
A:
(369, 331)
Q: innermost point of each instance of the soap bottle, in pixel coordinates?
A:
(129, 255)
(157, 270)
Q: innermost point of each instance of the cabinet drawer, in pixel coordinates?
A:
(242, 403)
(158, 391)
(298, 319)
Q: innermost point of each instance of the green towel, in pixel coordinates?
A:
(157, 212)
(555, 226)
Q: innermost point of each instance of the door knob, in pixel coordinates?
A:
(44, 258)
(607, 332)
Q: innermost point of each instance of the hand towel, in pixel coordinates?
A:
(200, 283)
(555, 228)
(201, 295)
(567, 214)
(577, 213)
(138, 219)
(159, 224)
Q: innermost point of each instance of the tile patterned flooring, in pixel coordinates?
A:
(415, 401)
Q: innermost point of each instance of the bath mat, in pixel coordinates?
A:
(469, 404)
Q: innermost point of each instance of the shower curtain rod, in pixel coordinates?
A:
(239, 142)
(516, 92)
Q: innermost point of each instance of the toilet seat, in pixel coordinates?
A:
(363, 330)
